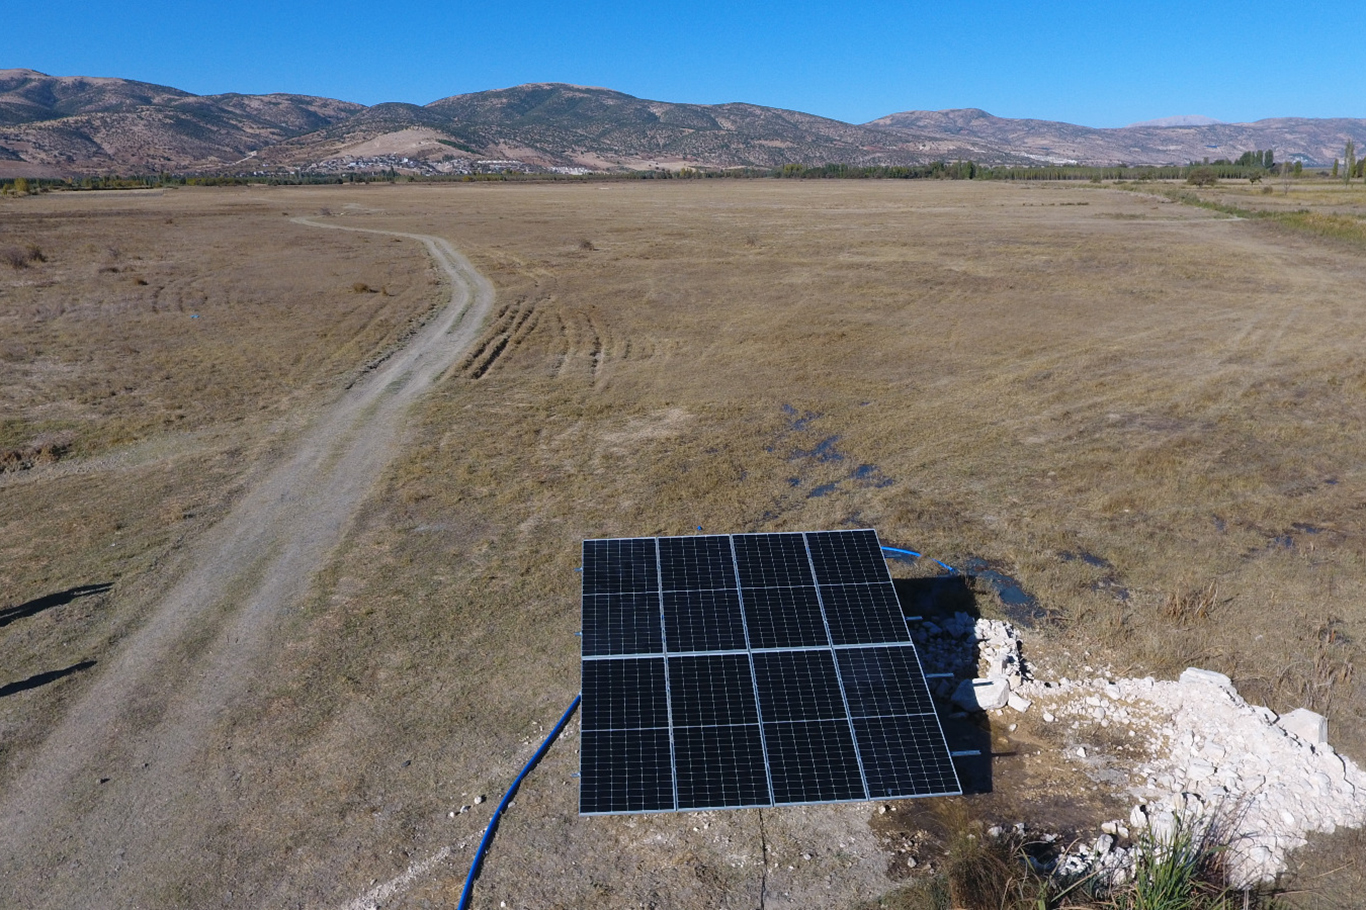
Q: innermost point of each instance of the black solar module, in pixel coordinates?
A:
(725, 671)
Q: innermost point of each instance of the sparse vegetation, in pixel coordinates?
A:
(1184, 403)
(1180, 870)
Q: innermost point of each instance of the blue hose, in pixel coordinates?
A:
(507, 798)
(918, 556)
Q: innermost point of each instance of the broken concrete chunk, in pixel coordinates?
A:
(1308, 726)
(1196, 675)
(982, 694)
(1018, 702)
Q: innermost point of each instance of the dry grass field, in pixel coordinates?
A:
(1121, 401)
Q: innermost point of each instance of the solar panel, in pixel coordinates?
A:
(733, 670)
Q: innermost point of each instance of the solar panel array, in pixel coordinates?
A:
(725, 671)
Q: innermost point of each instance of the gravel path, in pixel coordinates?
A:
(74, 832)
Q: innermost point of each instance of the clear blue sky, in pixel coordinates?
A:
(1094, 64)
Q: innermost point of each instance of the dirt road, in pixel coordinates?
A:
(75, 833)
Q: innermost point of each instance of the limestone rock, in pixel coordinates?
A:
(982, 694)
(1308, 726)
(1209, 677)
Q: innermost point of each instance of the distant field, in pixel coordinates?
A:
(1119, 400)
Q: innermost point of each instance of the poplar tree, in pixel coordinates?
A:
(1349, 157)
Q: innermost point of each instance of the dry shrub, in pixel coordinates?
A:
(14, 257)
(586, 245)
(360, 287)
(1191, 605)
(982, 875)
(982, 872)
(35, 253)
(44, 449)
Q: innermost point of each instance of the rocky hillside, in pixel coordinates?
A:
(54, 126)
(1172, 140)
(73, 126)
(77, 125)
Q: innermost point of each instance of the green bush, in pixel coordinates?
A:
(1203, 176)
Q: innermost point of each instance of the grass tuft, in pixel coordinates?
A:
(1191, 605)
(1181, 871)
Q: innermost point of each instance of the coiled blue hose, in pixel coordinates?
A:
(507, 798)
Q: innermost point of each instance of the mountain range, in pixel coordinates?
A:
(64, 126)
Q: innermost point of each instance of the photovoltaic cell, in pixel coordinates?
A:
(625, 694)
(621, 624)
(798, 685)
(813, 762)
(696, 563)
(883, 682)
(631, 770)
(784, 618)
(772, 560)
(863, 614)
(721, 767)
(723, 671)
(702, 621)
(619, 566)
(895, 758)
(847, 557)
(712, 690)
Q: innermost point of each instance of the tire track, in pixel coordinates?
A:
(511, 327)
(76, 833)
(582, 341)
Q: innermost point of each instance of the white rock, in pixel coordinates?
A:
(1308, 726)
(1199, 770)
(1209, 677)
(982, 694)
(1048, 717)
(1018, 702)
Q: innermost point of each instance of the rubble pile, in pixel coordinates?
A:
(1211, 759)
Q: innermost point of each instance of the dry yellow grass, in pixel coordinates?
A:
(971, 369)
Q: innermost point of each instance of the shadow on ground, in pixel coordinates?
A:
(48, 601)
(42, 679)
(938, 598)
